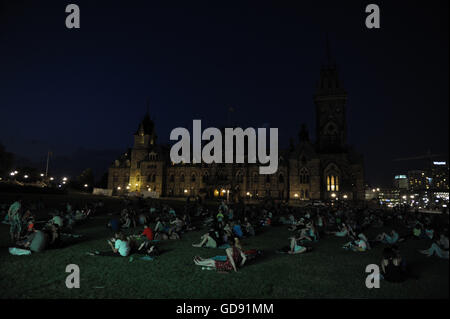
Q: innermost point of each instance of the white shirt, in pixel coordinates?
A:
(123, 247)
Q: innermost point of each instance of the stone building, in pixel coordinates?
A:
(325, 169)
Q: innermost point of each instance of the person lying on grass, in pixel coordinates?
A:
(235, 259)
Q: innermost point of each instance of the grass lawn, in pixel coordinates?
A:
(327, 272)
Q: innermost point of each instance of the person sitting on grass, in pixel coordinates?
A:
(126, 221)
(295, 248)
(161, 231)
(120, 245)
(359, 245)
(237, 230)
(53, 232)
(390, 238)
(343, 231)
(308, 233)
(235, 259)
(439, 247)
(208, 240)
(178, 225)
(148, 237)
(249, 230)
(391, 266)
(36, 242)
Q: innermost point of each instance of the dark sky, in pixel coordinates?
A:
(63, 89)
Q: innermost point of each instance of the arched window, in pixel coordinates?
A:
(332, 178)
(281, 179)
(205, 178)
(182, 178)
(193, 178)
(239, 177)
(304, 176)
(154, 178)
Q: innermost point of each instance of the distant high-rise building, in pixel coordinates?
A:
(439, 176)
(401, 182)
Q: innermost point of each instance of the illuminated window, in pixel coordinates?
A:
(332, 178)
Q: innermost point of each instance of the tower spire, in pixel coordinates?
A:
(328, 51)
(148, 107)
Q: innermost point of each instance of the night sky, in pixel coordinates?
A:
(64, 89)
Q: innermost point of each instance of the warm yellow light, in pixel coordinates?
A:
(118, 188)
(345, 196)
(85, 185)
(248, 193)
(378, 189)
(64, 178)
(185, 190)
(295, 195)
(223, 191)
(333, 195)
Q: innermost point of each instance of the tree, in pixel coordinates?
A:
(103, 182)
(86, 177)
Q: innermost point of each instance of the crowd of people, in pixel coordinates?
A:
(140, 227)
